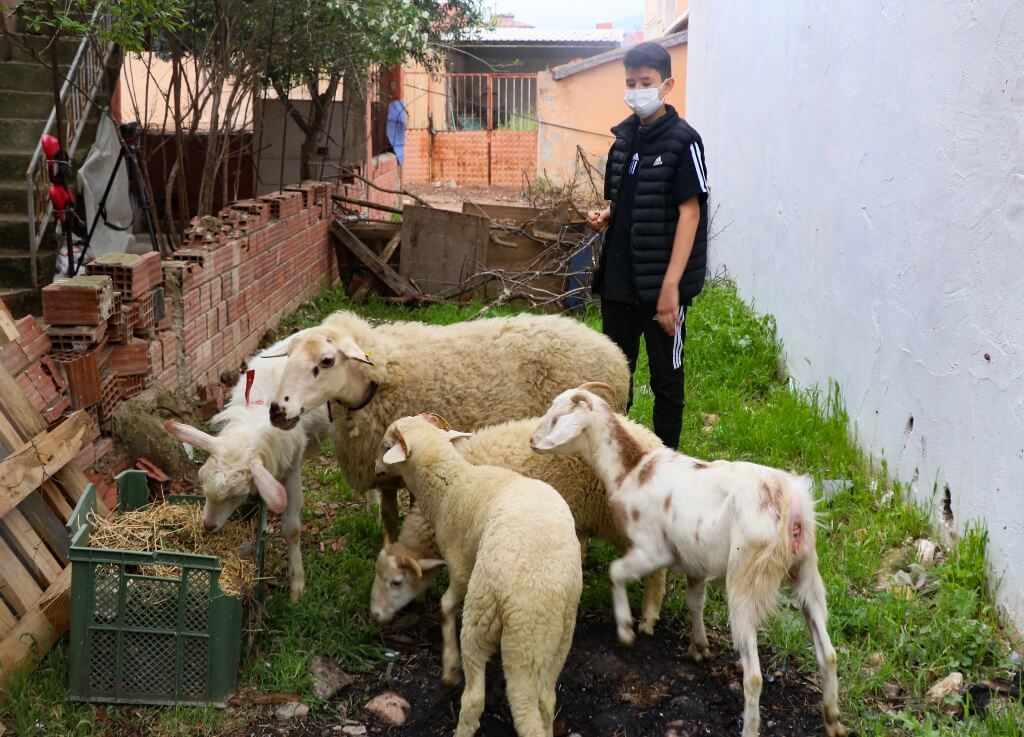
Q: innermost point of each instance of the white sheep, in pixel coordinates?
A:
(475, 373)
(513, 557)
(250, 456)
(407, 567)
(750, 525)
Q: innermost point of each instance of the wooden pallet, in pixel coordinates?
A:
(39, 486)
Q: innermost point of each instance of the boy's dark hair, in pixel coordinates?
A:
(649, 54)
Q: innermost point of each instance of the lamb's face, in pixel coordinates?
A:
(226, 486)
(321, 367)
(561, 430)
(398, 581)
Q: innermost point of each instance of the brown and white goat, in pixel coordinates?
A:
(749, 525)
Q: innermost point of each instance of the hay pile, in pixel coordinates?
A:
(178, 528)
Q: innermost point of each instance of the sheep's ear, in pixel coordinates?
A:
(430, 564)
(396, 454)
(270, 489)
(350, 349)
(193, 436)
(455, 434)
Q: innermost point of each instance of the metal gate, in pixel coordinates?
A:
(480, 129)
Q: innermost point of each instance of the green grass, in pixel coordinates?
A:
(733, 372)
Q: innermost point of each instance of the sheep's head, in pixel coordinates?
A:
(228, 477)
(396, 445)
(323, 365)
(561, 430)
(399, 579)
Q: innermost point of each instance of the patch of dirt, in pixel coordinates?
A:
(604, 690)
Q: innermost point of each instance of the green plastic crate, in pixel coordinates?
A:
(139, 639)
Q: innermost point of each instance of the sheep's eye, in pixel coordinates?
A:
(395, 583)
(327, 362)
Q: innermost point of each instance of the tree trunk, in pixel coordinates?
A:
(312, 127)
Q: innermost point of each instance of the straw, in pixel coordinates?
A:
(179, 528)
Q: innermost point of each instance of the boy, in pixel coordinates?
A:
(655, 253)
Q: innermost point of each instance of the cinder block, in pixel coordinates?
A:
(133, 275)
(83, 373)
(82, 300)
(130, 359)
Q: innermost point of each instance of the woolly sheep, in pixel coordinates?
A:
(249, 456)
(513, 557)
(750, 525)
(407, 567)
(475, 373)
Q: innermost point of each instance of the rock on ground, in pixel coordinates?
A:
(291, 710)
(139, 426)
(328, 677)
(389, 707)
(948, 686)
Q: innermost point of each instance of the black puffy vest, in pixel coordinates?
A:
(655, 214)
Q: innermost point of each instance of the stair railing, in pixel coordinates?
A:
(82, 85)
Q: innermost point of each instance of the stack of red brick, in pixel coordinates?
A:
(239, 273)
(103, 329)
(133, 320)
(27, 359)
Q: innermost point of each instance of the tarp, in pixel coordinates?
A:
(396, 129)
(92, 180)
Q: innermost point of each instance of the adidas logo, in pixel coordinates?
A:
(657, 162)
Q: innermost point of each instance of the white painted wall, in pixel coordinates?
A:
(868, 159)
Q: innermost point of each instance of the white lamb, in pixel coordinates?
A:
(475, 373)
(513, 557)
(407, 567)
(250, 456)
(750, 525)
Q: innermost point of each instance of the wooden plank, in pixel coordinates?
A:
(37, 631)
(27, 467)
(31, 547)
(440, 248)
(394, 281)
(391, 247)
(8, 331)
(56, 499)
(17, 585)
(47, 524)
(365, 203)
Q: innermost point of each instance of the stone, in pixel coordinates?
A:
(328, 677)
(389, 707)
(354, 730)
(926, 550)
(291, 710)
(948, 686)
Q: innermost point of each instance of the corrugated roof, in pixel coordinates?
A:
(567, 70)
(544, 36)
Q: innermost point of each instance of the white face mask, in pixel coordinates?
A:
(644, 101)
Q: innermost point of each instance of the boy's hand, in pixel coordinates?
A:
(598, 219)
(668, 308)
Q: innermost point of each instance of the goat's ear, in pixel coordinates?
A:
(270, 489)
(350, 349)
(565, 428)
(398, 452)
(193, 436)
(429, 564)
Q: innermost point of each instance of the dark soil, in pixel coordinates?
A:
(650, 690)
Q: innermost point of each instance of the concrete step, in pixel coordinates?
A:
(13, 199)
(18, 104)
(13, 165)
(25, 76)
(33, 47)
(16, 268)
(22, 301)
(14, 232)
(22, 133)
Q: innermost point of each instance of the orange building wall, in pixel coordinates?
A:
(580, 109)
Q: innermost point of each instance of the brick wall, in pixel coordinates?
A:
(416, 169)
(461, 156)
(384, 172)
(512, 153)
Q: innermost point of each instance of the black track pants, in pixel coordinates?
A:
(624, 324)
